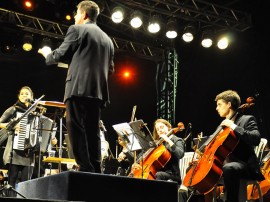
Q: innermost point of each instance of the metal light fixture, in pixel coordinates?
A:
(223, 43)
(28, 5)
(207, 40)
(136, 19)
(46, 45)
(171, 32)
(117, 14)
(188, 34)
(7, 48)
(27, 42)
(154, 24)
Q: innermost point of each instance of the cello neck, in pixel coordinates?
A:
(218, 130)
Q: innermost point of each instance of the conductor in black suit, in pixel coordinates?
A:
(89, 53)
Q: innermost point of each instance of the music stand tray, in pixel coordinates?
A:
(136, 135)
(127, 134)
(143, 134)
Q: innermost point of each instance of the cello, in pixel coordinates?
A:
(252, 191)
(154, 158)
(203, 174)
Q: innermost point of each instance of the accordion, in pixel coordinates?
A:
(34, 133)
(26, 137)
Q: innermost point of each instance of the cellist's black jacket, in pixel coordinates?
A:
(177, 152)
(249, 137)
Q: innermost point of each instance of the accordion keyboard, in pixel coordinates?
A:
(26, 138)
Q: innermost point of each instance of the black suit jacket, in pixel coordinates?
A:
(249, 137)
(89, 52)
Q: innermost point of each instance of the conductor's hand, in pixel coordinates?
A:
(45, 51)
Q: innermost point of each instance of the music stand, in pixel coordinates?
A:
(143, 134)
(61, 107)
(128, 136)
(136, 136)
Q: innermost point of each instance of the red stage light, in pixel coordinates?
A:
(126, 74)
(28, 5)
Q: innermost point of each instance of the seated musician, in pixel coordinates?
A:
(176, 147)
(242, 162)
(17, 160)
(125, 158)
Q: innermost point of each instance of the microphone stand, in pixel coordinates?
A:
(8, 187)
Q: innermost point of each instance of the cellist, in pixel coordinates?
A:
(176, 147)
(242, 162)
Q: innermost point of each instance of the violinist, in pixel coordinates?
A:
(125, 158)
(242, 162)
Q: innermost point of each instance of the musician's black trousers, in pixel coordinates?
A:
(233, 172)
(26, 174)
(82, 121)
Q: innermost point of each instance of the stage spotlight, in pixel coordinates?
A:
(7, 48)
(207, 41)
(154, 24)
(136, 19)
(118, 14)
(171, 32)
(27, 42)
(68, 17)
(28, 5)
(188, 33)
(46, 45)
(126, 74)
(223, 43)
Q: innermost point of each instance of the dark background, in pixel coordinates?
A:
(202, 74)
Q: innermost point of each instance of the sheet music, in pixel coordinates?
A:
(127, 134)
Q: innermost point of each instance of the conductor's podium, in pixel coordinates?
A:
(83, 186)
